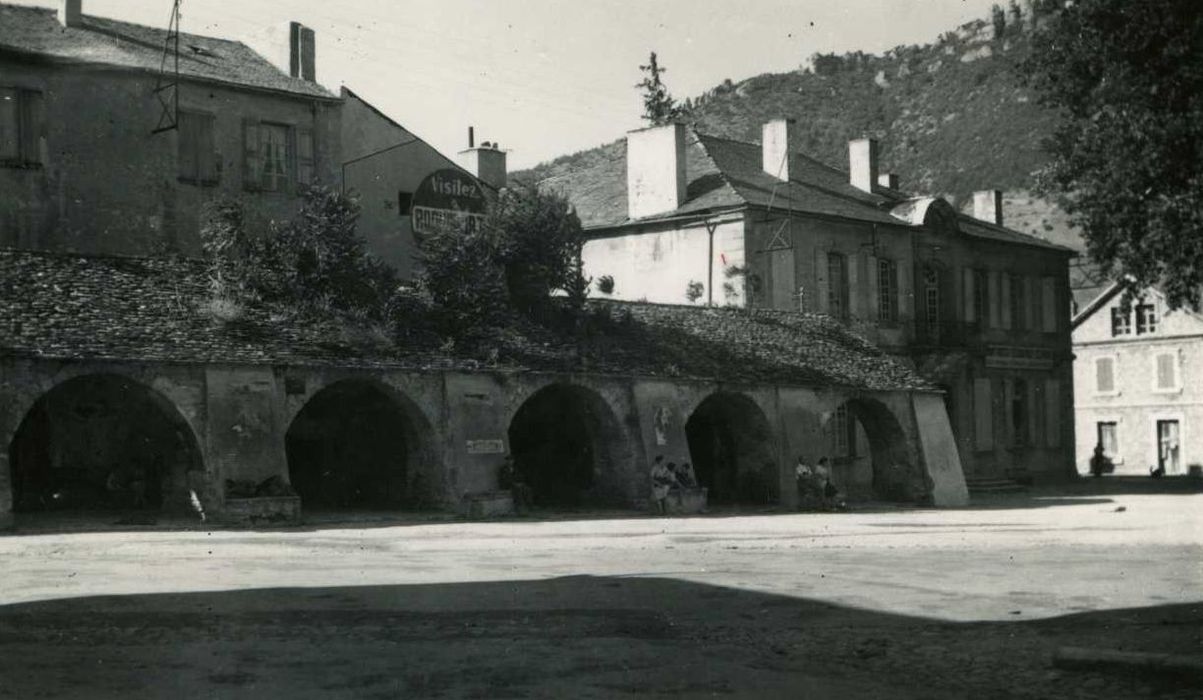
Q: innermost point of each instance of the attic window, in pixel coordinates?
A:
(201, 51)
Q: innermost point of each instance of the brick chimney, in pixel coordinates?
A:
(862, 163)
(655, 170)
(291, 47)
(888, 180)
(486, 162)
(778, 141)
(988, 206)
(70, 12)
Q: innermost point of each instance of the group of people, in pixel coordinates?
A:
(815, 489)
(667, 477)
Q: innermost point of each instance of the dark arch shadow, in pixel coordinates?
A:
(895, 476)
(732, 448)
(104, 442)
(570, 448)
(358, 444)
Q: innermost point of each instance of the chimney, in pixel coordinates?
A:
(70, 12)
(888, 180)
(862, 163)
(655, 170)
(291, 47)
(988, 207)
(778, 141)
(487, 163)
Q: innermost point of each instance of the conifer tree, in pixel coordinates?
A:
(659, 107)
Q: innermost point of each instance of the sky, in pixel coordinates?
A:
(545, 78)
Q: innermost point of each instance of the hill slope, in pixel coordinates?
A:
(951, 118)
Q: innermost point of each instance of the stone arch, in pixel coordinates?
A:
(360, 444)
(570, 447)
(104, 441)
(895, 475)
(732, 447)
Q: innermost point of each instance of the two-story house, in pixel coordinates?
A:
(1136, 381)
(982, 310)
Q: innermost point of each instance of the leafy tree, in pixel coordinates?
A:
(659, 107)
(461, 271)
(1128, 154)
(539, 240)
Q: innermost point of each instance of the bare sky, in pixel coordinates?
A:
(549, 77)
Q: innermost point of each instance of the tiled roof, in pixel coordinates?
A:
(36, 31)
(75, 307)
(724, 174)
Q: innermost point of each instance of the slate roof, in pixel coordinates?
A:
(36, 32)
(76, 307)
(727, 174)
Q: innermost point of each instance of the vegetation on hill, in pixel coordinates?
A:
(952, 116)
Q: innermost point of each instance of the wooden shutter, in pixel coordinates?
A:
(1033, 404)
(1052, 412)
(1104, 375)
(1030, 305)
(1004, 301)
(187, 128)
(983, 414)
(873, 308)
(993, 298)
(208, 159)
(1048, 293)
(252, 155)
(967, 294)
(33, 126)
(305, 156)
(821, 280)
(854, 299)
(1165, 371)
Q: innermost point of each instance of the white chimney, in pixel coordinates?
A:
(70, 12)
(888, 180)
(778, 141)
(988, 206)
(655, 170)
(487, 163)
(862, 163)
(291, 47)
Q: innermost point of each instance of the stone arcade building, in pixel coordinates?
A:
(106, 366)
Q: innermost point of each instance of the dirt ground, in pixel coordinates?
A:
(874, 603)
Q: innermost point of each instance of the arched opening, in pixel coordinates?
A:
(731, 447)
(102, 443)
(355, 445)
(869, 453)
(567, 447)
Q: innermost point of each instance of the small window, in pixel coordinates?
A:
(887, 290)
(1104, 379)
(1167, 370)
(1121, 323)
(1109, 439)
(837, 285)
(404, 202)
(1146, 319)
(277, 157)
(21, 127)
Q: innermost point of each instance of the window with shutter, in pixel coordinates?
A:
(1104, 375)
(305, 157)
(10, 131)
(837, 285)
(197, 155)
(1167, 374)
(1048, 295)
(887, 290)
(1018, 317)
(22, 127)
(1108, 437)
(276, 157)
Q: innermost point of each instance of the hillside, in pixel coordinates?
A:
(951, 118)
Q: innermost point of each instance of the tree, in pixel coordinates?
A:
(998, 17)
(659, 107)
(539, 238)
(1127, 156)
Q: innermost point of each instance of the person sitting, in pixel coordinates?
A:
(1099, 463)
(662, 480)
(831, 494)
(686, 476)
(809, 495)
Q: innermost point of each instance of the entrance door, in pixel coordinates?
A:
(1167, 446)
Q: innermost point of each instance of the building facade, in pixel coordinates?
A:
(978, 309)
(1136, 381)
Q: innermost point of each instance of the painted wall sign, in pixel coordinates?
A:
(486, 447)
(447, 197)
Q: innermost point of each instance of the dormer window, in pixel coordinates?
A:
(1121, 323)
(1146, 319)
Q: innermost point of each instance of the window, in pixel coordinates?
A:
(1048, 295)
(931, 300)
(1146, 319)
(1017, 303)
(276, 157)
(837, 285)
(1019, 412)
(1104, 375)
(1109, 439)
(21, 127)
(1121, 323)
(1167, 371)
(981, 296)
(887, 290)
(843, 433)
(404, 202)
(198, 162)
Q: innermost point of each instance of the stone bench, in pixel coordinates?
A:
(686, 501)
(488, 504)
(260, 510)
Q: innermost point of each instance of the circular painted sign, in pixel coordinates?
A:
(447, 197)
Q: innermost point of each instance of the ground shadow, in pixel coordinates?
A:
(580, 636)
